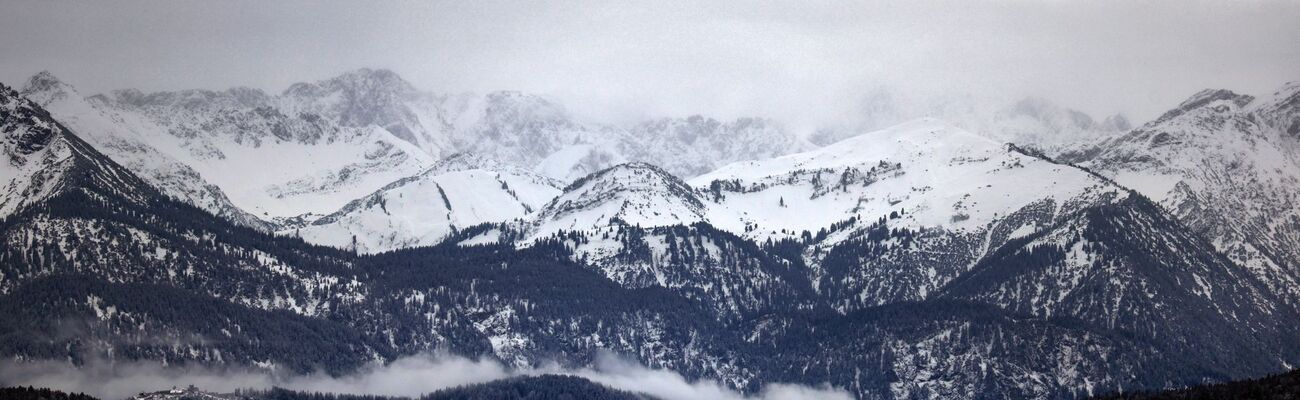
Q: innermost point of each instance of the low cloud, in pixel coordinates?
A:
(411, 376)
(620, 373)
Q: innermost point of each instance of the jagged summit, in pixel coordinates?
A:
(366, 97)
(135, 144)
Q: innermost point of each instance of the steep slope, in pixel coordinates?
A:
(457, 192)
(642, 227)
(1227, 166)
(44, 160)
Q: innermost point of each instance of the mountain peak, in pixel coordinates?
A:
(359, 82)
(637, 194)
(44, 88)
(43, 79)
(632, 173)
(517, 100)
(1209, 95)
(1206, 97)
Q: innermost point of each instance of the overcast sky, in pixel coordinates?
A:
(798, 60)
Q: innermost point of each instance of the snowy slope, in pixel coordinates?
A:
(458, 192)
(937, 174)
(634, 194)
(895, 214)
(271, 160)
(121, 139)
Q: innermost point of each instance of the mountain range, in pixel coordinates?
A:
(1032, 252)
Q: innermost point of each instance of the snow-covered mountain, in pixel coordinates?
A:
(1228, 166)
(921, 212)
(934, 173)
(919, 261)
(273, 160)
(457, 192)
(888, 216)
(368, 97)
(281, 160)
(940, 175)
(938, 197)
